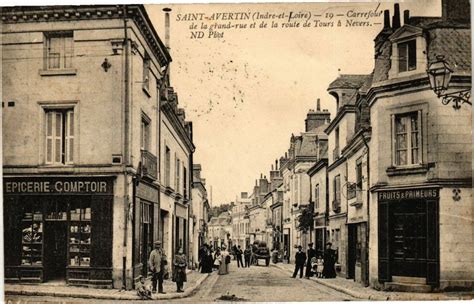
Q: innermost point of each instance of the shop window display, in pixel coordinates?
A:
(32, 235)
(80, 235)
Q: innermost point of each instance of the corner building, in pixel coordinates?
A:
(81, 86)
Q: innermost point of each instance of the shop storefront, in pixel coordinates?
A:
(320, 233)
(145, 218)
(408, 235)
(58, 228)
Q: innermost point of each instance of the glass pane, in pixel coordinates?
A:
(402, 157)
(68, 51)
(412, 55)
(402, 57)
(71, 122)
(401, 141)
(49, 123)
(57, 152)
(414, 156)
(49, 150)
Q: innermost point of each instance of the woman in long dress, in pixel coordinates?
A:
(224, 261)
(179, 270)
(329, 271)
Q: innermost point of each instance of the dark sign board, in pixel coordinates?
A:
(66, 185)
(395, 195)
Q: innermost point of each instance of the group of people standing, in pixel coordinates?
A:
(323, 266)
(210, 259)
(158, 266)
(247, 253)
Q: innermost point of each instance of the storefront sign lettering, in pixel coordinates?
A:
(408, 194)
(36, 185)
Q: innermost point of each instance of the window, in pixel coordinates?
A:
(407, 139)
(59, 50)
(145, 134)
(178, 169)
(59, 136)
(316, 197)
(359, 182)
(336, 144)
(167, 166)
(337, 193)
(407, 56)
(185, 188)
(146, 71)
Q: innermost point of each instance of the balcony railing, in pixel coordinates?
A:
(351, 190)
(149, 168)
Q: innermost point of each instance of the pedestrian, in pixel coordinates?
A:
(206, 260)
(234, 251)
(330, 258)
(157, 263)
(311, 253)
(300, 259)
(247, 256)
(179, 269)
(224, 261)
(201, 253)
(143, 291)
(319, 267)
(217, 258)
(238, 254)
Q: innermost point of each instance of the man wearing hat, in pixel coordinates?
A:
(300, 258)
(311, 254)
(156, 263)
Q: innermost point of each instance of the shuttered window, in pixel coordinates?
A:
(59, 50)
(59, 136)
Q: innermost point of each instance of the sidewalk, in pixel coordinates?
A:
(194, 280)
(355, 290)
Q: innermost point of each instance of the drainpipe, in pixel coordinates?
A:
(368, 203)
(126, 81)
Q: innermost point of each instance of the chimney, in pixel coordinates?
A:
(386, 19)
(167, 11)
(406, 17)
(244, 195)
(315, 119)
(276, 164)
(272, 168)
(396, 17)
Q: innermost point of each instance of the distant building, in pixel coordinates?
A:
(220, 230)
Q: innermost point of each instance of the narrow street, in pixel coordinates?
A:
(257, 283)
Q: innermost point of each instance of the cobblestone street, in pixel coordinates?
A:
(258, 283)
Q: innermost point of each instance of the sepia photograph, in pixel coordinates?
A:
(236, 152)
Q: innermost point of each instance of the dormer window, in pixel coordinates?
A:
(407, 56)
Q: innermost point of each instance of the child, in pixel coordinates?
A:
(314, 266)
(319, 267)
(143, 291)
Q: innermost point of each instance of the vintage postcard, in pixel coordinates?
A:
(258, 152)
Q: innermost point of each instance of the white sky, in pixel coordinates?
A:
(247, 92)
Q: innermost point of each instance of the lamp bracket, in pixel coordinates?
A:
(458, 98)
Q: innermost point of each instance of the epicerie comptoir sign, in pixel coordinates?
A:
(70, 185)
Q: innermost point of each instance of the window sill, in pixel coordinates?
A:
(403, 170)
(62, 72)
(356, 204)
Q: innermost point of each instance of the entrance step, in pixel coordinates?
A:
(407, 287)
(409, 280)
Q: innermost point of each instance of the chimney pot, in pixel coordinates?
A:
(318, 105)
(406, 16)
(272, 167)
(396, 17)
(386, 19)
(167, 11)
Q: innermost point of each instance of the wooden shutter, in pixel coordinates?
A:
(432, 241)
(49, 137)
(69, 136)
(57, 136)
(383, 240)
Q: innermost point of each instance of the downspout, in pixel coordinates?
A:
(126, 81)
(368, 205)
(311, 201)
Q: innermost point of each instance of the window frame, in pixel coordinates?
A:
(63, 54)
(407, 116)
(337, 190)
(410, 55)
(316, 197)
(68, 131)
(146, 72)
(167, 159)
(145, 133)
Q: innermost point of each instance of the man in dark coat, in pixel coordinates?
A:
(300, 259)
(311, 254)
(247, 256)
(238, 253)
(329, 260)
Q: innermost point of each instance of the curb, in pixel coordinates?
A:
(376, 297)
(188, 292)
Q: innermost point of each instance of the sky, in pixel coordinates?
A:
(247, 92)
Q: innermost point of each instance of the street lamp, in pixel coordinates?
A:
(439, 74)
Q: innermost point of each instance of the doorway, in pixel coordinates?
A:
(352, 248)
(55, 250)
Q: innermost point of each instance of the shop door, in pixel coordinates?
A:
(408, 239)
(146, 240)
(55, 249)
(352, 248)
